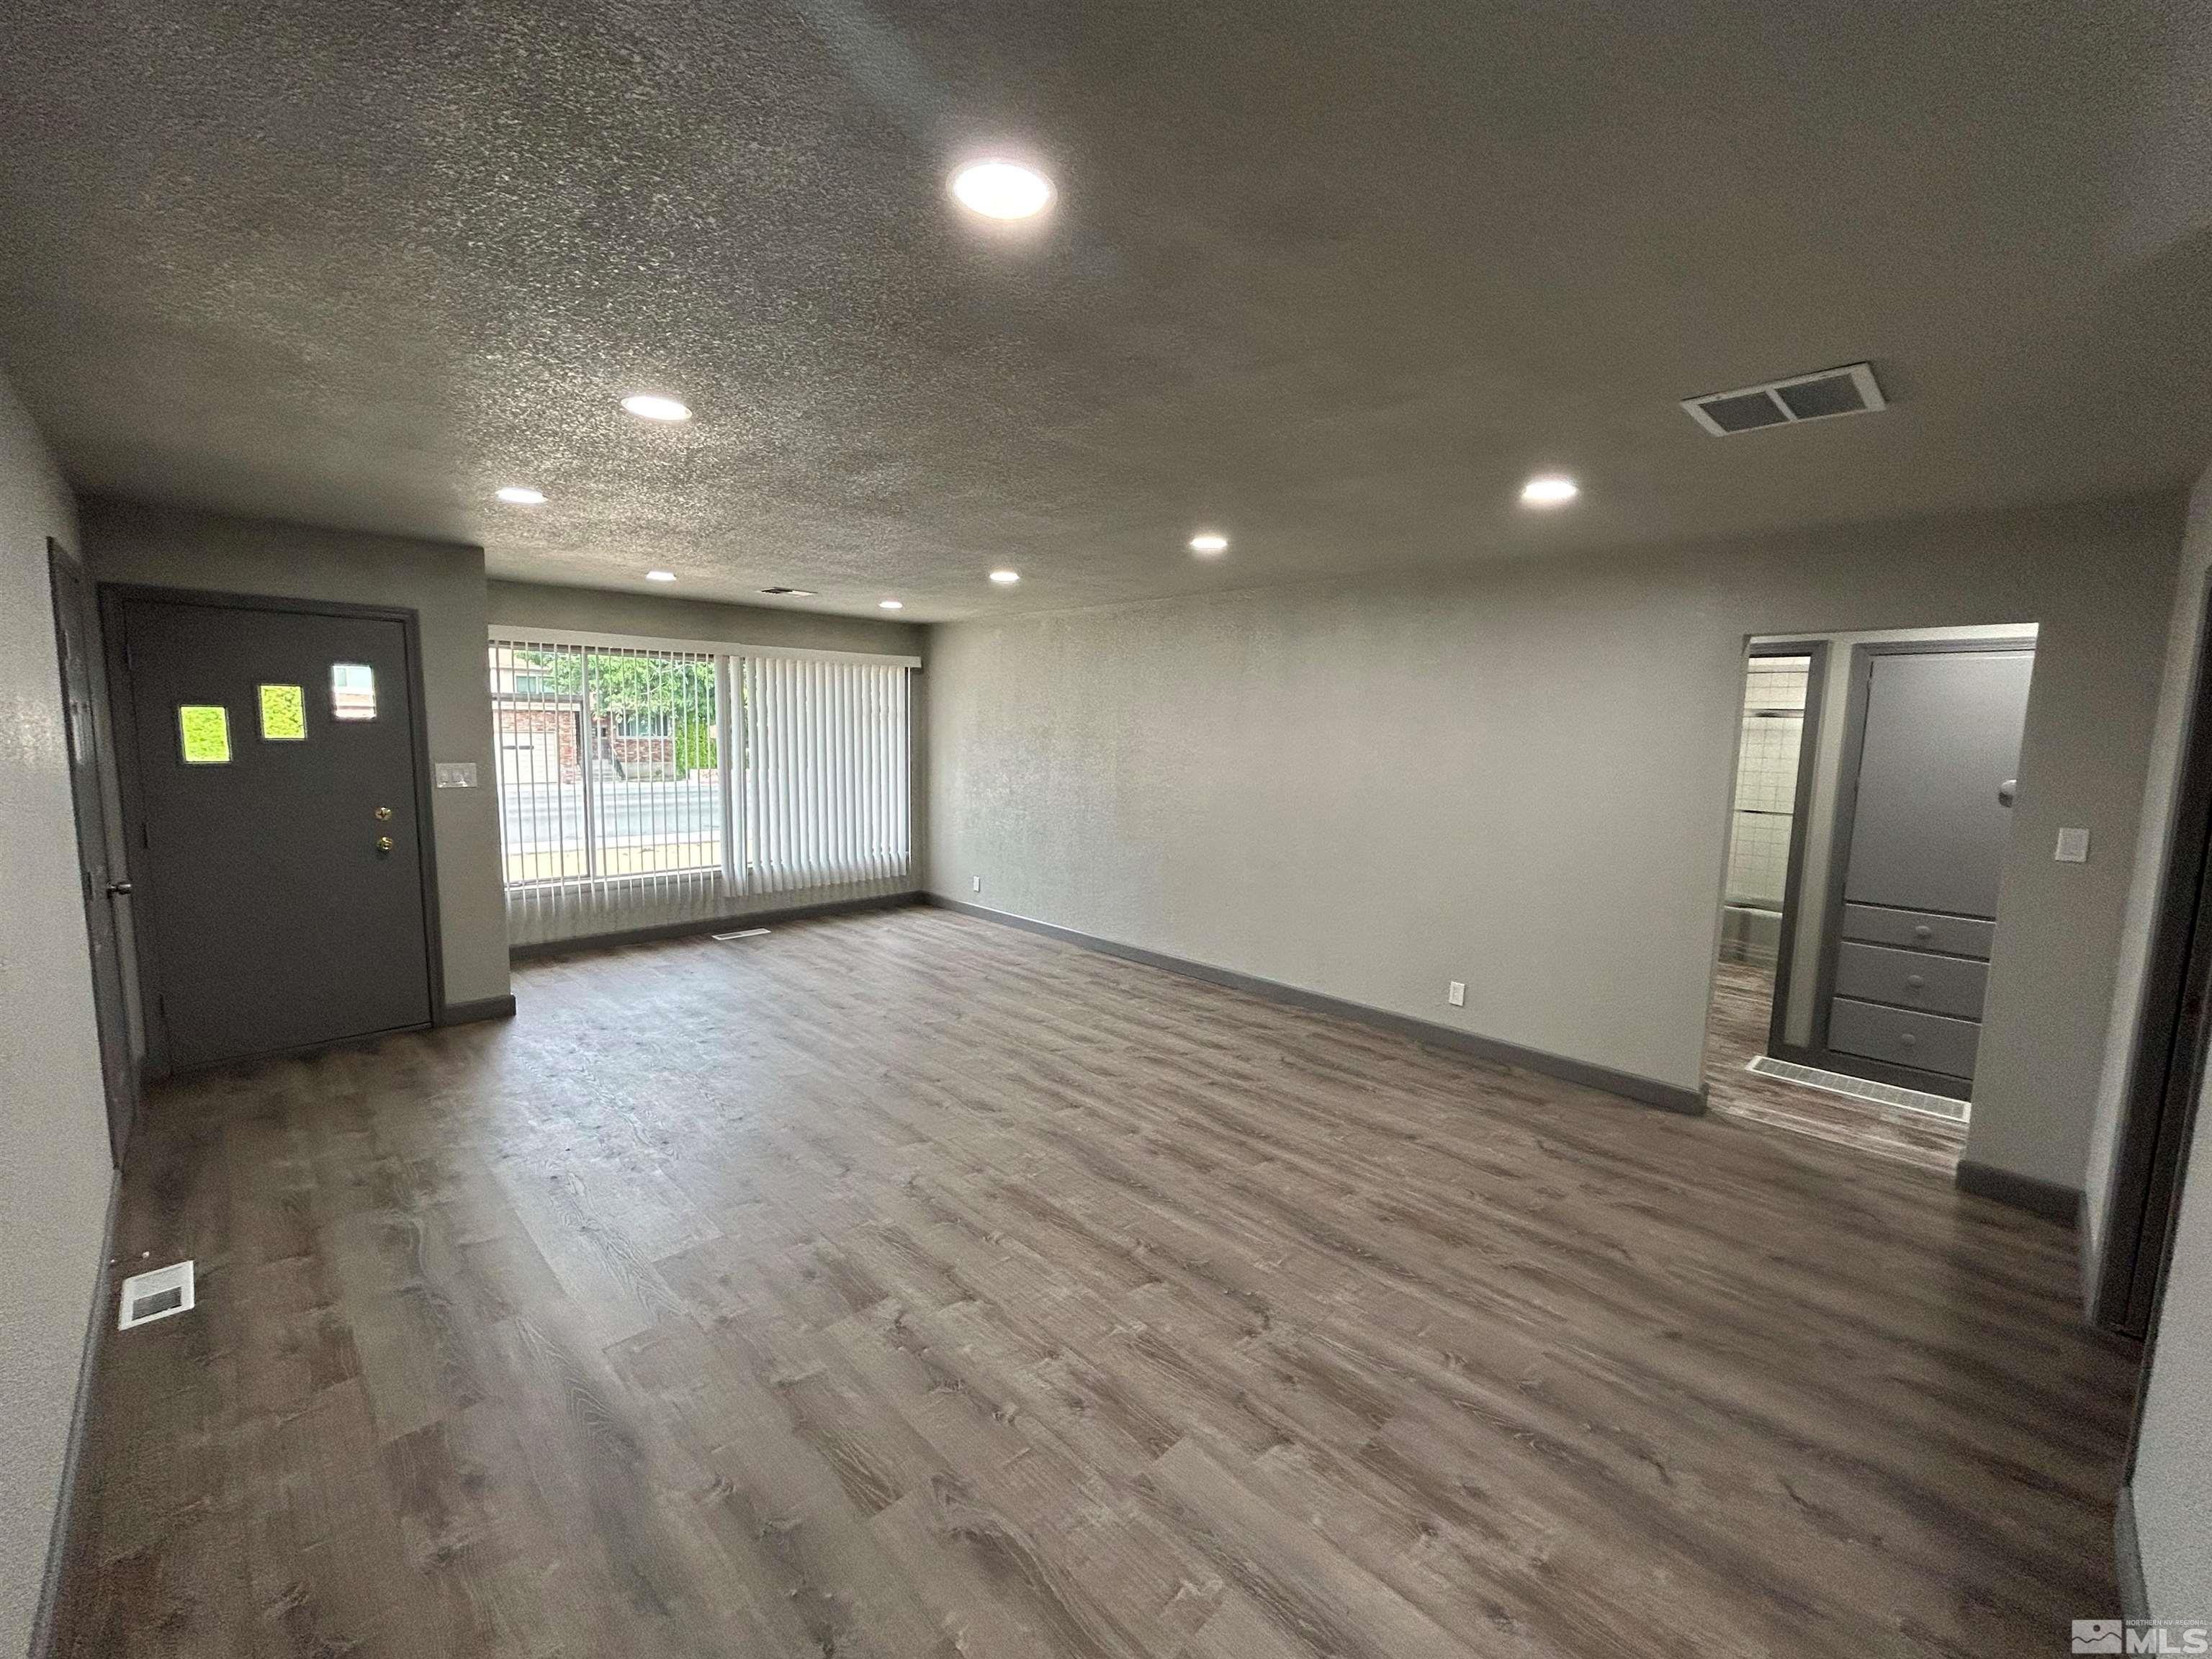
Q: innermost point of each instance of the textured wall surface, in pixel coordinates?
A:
(1338, 277)
(54, 1171)
(126, 542)
(1520, 779)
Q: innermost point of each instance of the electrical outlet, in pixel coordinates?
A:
(979, 883)
(1456, 993)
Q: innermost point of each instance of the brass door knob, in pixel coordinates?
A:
(384, 843)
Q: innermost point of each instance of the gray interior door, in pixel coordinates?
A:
(1942, 733)
(75, 628)
(281, 865)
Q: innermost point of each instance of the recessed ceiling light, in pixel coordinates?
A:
(1002, 190)
(651, 406)
(521, 495)
(1208, 542)
(1006, 578)
(1550, 489)
(660, 576)
(891, 604)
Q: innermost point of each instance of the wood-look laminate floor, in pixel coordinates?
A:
(905, 1284)
(1735, 1035)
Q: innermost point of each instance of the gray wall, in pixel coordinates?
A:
(1519, 779)
(174, 547)
(54, 1172)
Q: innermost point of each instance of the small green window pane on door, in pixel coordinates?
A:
(204, 733)
(283, 713)
(353, 692)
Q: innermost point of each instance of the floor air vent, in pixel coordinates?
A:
(1850, 390)
(151, 1296)
(1860, 1088)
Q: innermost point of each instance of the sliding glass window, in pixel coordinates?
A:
(699, 774)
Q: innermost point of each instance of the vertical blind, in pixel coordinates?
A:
(826, 774)
(642, 784)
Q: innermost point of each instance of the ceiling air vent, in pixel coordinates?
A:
(789, 592)
(1849, 390)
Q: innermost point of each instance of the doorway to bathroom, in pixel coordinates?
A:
(1869, 817)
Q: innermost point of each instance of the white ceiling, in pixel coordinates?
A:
(1334, 278)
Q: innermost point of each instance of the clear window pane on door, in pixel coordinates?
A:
(283, 713)
(204, 733)
(353, 692)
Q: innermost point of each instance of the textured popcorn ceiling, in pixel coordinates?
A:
(1333, 277)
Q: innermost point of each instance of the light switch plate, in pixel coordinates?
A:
(1455, 993)
(456, 774)
(979, 883)
(2072, 846)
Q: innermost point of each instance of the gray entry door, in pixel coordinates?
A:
(75, 628)
(1942, 733)
(282, 862)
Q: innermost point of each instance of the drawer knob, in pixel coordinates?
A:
(1923, 931)
(1914, 981)
(1907, 1038)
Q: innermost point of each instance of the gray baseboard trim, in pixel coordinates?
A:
(463, 1013)
(2043, 1197)
(1646, 1091)
(2127, 1558)
(562, 947)
(61, 1540)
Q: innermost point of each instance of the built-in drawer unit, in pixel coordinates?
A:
(1918, 930)
(1904, 1037)
(1912, 979)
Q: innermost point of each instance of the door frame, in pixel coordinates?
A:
(114, 597)
(125, 1087)
(2167, 1050)
(1817, 1053)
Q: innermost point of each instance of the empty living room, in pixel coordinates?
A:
(1217, 831)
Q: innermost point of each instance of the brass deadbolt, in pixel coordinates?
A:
(383, 813)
